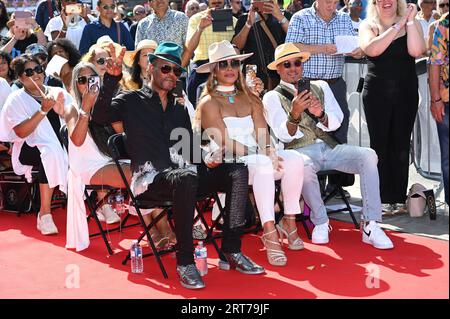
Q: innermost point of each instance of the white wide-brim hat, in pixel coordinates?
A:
(220, 51)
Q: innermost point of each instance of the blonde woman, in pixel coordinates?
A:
(391, 38)
(233, 119)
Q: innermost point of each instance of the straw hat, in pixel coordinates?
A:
(144, 44)
(104, 42)
(220, 51)
(286, 52)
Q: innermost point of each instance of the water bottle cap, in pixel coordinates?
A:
(135, 241)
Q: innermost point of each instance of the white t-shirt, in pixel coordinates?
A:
(73, 33)
(356, 24)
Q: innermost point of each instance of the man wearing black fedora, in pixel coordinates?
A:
(150, 116)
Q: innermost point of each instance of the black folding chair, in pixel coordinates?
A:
(338, 190)
(93, 203)
(116, 145)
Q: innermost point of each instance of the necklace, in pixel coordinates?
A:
(230, 96)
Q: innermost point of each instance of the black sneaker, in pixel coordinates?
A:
(190, 277)
(241, 263)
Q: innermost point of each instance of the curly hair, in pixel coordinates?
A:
(69, 47)
(18, 64)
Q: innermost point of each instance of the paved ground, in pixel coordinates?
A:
(438, 228)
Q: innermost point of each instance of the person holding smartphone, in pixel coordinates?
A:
(68, 25)
(301, 114)
(22, 35)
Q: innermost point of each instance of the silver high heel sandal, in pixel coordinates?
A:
(297, 243)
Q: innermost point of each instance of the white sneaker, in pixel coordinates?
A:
(320, 233)
(46, 225)
(373, 234)
(107, 214)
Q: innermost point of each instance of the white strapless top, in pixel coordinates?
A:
(241, 129)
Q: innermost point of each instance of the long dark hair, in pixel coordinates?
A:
(7, 57)
(69, 47)
(136, 70)
(99, 133)
(3, 15)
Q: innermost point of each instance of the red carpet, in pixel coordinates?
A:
(36, 266)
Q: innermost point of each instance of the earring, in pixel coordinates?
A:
(215, 81)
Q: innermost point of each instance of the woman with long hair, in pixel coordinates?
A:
(3, 20)
(392, 38)
(5, 67)
(137, 60)
(232, 116)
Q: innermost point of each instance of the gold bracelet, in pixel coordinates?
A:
(292, 120)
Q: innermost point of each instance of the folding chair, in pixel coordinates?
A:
(92, 202)
(116, 145)
(338, 191)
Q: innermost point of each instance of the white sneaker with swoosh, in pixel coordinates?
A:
(373, 234)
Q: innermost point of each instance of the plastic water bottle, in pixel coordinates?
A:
(137, 264)
(201, 255)
(119, 203)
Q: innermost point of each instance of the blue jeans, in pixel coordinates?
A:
(442, 129)
(348, 159)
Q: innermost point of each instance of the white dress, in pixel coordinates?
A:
(84, 162)
(262, 174)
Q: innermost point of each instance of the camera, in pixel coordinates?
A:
(94, 84)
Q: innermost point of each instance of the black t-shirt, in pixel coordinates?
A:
(21, 45)
(262, 59)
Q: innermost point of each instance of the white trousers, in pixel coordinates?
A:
(262, 177)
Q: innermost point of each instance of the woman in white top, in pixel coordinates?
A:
(233, 118)
(31, 119)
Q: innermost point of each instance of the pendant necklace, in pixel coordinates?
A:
(223, 88)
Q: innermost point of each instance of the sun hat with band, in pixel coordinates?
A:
(220, 51)
(168, 51)
(287, 51)
(144, 44)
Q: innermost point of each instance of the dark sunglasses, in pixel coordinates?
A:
(441, 5)
(106, 7)
(165, 69)
(223, 65)
(30, 72)
(100, 61)
(139, 12)
(288, 64)
(84, 78)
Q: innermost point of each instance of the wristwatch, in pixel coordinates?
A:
(283, 21)
(292, 120)
(37, 29)
(84, 113)
(42, 112)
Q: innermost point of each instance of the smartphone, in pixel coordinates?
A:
(258, 5)
(178, 89)
(72, 9)
(222, 20)
(250, 74)
(22, 19)
(94, 84)
(302, 85)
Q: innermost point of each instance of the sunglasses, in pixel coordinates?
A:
(30, 72)
(106, 7)
(441, 5)
(223, 65)
(288, 64)
(166, 69)
(84, 78)
(194, 8)
(139, 12)
(100, 61)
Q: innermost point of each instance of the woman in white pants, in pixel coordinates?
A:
(232, 116)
